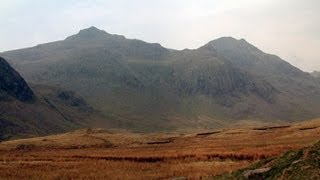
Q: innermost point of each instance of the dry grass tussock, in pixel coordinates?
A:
(101, 154)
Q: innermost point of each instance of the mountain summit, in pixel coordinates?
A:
(251, 58)
(230, 43)
(90, 33)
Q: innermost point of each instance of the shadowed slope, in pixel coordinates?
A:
(24, 113)
(12, 84)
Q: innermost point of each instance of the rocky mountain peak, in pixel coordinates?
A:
(89, 33)
(230, 43)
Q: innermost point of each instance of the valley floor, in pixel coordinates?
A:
(101, 154)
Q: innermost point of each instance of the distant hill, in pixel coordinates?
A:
(25, 112)
(146, 87)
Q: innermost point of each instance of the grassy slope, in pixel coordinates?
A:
(98, 153)
(299, 164)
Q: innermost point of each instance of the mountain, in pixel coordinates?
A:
(13, 85)
(295, 86)
(272, 68)
(40, 110)
(146, 87)
(315, 74)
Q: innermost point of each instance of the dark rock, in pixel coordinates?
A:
(11, 83)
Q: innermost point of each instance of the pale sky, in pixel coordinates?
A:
(288, 28)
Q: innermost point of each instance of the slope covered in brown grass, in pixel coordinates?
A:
(101, 154)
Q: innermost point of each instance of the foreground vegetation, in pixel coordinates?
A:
(300, 164)
(101, 154)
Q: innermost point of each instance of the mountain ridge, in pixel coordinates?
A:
(145, 86)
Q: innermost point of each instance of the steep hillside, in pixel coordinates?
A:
(277, 71)
(144, 86)
(12, 84)
(294, 86)
(46, 110)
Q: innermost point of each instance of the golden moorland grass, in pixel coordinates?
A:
(101, 154)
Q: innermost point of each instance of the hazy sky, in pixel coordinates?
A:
(288, 28)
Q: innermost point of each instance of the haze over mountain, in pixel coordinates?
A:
(145, 86)
(46, 110)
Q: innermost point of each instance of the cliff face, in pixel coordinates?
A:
(12, 84)
(46, 110)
